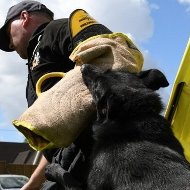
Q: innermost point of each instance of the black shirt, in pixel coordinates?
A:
(51, 55)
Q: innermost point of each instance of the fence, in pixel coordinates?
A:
(21, 169)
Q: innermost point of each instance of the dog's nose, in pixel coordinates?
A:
(83, 67)
(86, 68)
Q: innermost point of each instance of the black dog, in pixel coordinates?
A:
(134, 148)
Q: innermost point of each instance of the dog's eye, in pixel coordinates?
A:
(101, 114)
(104, 111)
(101, 109)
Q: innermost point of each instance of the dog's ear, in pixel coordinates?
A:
(153, 79)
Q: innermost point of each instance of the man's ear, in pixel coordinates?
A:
(24, 16)
(153, 79)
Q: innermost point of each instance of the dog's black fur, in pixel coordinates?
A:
(134, 148)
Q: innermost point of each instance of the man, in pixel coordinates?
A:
(30, 30)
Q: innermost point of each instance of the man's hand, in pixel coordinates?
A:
(31, 186)
(38, 177)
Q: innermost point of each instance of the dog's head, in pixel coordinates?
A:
(122, 94)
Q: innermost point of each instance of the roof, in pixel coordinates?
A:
(17, 153)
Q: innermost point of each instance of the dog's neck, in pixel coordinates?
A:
(142, 105)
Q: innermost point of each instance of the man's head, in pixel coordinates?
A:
(21, 22)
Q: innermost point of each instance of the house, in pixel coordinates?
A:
(17, 153)
(18, 158)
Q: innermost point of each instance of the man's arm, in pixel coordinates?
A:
(38, 176)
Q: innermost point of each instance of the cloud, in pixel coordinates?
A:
(128, 16)
(12, 94)
(186, 3)
(12, 84)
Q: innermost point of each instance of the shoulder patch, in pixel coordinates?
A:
(79, 20)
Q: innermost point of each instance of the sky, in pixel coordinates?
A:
(160, 29)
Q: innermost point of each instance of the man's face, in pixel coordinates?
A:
(19, 38)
